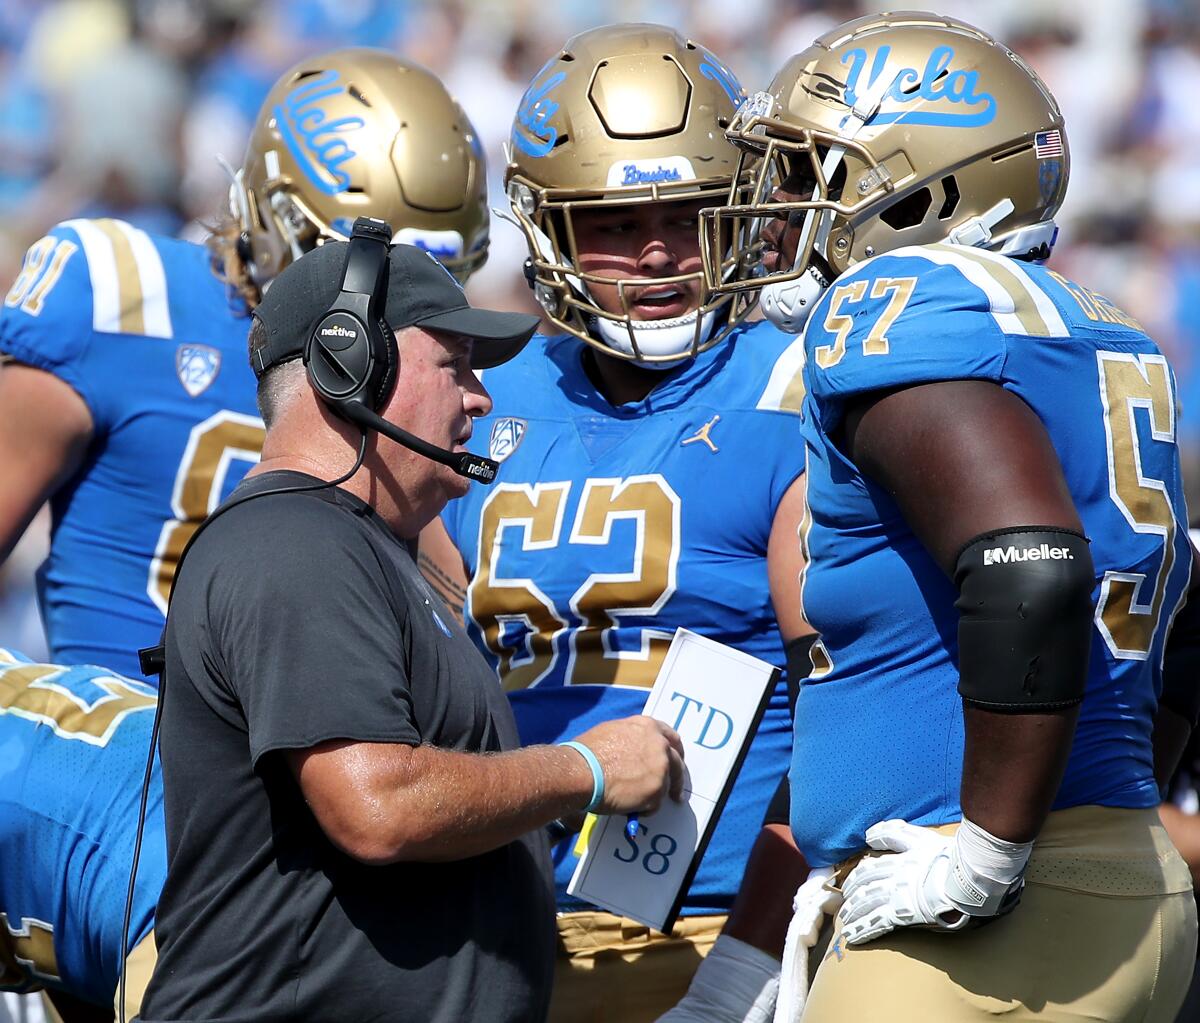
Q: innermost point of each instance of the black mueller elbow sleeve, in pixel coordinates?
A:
(1025, 625)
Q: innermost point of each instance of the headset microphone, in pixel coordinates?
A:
(474, 467)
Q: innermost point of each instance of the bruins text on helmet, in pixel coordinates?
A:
(361, 132)
(625, 114)
(891, 130)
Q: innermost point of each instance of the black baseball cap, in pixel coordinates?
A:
(420, 292)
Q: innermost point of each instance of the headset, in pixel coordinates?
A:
(352, 360)
(352, 357)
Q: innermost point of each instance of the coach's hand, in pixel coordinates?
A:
(934, 880)
(642, 760)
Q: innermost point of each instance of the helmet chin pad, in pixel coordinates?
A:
(787, 305)
(662, 343)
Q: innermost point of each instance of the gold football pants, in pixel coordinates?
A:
(139, 964)
(614, 970)
(1105, 931)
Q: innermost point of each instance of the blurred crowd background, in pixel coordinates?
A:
(122, 107)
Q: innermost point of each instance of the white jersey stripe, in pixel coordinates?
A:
(1000, 302)
(1044, 304)
(785, 389)
(102, 269)
(156, 311)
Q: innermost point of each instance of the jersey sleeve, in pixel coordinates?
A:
(46, 321)
(307, 672)
(778, 420)
(912, 317)
(84, 280)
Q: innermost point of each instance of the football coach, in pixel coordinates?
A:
(352, 831)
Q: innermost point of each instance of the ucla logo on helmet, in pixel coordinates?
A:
(935, 94)
(712, 69)
(197, 367)
(533, 133)
(317, 144)
(507, 434)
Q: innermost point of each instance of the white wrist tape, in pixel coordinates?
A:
(984, 869)
(735, 983)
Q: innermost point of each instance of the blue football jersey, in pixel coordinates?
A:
(73, 745)
(879, 729)
(148, 337)
(609, 527)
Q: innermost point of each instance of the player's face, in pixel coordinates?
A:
(647, 241)
(437, 397)
(781, 235)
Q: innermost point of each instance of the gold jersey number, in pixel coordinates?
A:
(30, 691)
(532, 516)
(1131, 603)
(212, 445)
(27, 956)
(31, 287)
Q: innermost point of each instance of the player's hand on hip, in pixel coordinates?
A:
(934, 880)
(642, 759)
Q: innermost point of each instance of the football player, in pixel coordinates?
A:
(75, 742)
(650, 479)
(998, 546)
(128, 402)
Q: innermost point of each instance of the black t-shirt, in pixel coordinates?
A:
(300, 618)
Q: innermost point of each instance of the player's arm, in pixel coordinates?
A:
(759, 917)
(1179, 702)
(45, 428)
(442, 566)
(1179, 706)
(391, 802)
(780, 863)
(785, 563)
(965, 460)
(739, 978)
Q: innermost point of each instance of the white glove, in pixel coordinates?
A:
(936, 880)
(813, 900)
(735, 983)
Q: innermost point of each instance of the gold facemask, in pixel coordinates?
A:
(624, 115)
(905, 129)
(361, 132)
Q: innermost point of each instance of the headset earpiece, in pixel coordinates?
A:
(352, 355)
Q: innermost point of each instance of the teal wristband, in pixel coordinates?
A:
(597, 774)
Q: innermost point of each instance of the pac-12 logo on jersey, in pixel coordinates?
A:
(507, 434)
(197, 367)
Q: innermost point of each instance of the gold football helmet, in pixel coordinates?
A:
(894, 129)
(361, 132)
(625, 114)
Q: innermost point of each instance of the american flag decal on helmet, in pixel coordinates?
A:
(1047, 144)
